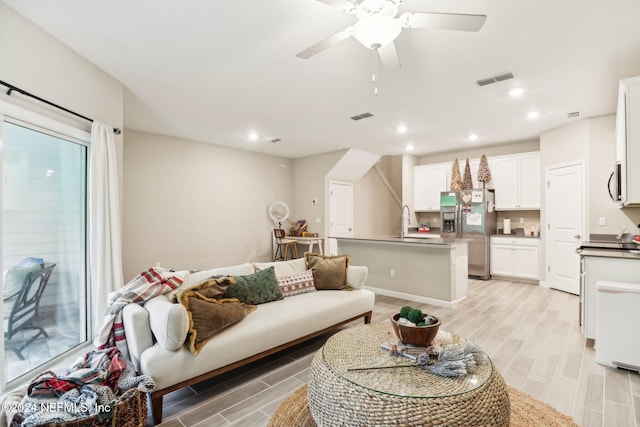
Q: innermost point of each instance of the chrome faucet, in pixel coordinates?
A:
(402, 223)
(620, 232)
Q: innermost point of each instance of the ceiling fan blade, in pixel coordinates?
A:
(345, 5)
(442, 21)
(389, 56)
(326, 43)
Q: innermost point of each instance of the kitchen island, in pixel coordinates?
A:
(432, 271)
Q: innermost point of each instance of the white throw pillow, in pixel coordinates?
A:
(169, 322)
(357, 275)
(283, 268)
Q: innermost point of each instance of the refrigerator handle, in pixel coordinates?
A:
(459, 219)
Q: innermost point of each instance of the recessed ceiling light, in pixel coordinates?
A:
(410, 146)
(516, 91)
(473, 137)
(533, 115)
(253, 136)
(401, 129)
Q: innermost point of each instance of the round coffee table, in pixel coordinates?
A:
(400, 395)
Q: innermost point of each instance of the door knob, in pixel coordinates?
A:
(577, 236)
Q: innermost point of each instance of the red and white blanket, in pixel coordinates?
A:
(146, 285)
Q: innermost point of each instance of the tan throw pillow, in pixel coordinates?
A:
(213, 287)
(329, 272)
(208, 316)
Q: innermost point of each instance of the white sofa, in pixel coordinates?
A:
(154, 331)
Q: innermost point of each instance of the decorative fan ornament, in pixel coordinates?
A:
(377, 26)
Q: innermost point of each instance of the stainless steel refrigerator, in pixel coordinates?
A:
(470, 215)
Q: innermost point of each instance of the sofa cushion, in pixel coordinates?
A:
(283, 268)
(269, 326)
(169, 322)
(208, 316)
(256, 288)
(297, 283)
(14, 277)
(329, 272)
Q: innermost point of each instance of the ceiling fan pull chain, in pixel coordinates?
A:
(375, 67)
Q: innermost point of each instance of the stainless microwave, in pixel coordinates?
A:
(615, 183)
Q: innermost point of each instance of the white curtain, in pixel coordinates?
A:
(105, 251)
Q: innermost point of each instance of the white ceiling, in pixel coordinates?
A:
(213, 70)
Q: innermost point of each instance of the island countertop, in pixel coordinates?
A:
(437, 241)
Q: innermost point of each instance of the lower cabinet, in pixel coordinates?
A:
(515, 257)
(594, 269)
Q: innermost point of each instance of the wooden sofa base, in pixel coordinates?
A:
(156, 396)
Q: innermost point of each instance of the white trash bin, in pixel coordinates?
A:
(617, 319)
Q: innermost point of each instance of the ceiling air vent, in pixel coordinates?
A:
(494, 79)
(573, 115)
(362, 116)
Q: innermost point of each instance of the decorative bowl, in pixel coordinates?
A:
(421, 336)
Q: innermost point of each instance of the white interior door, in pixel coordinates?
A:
(565, 225)
(340, 212)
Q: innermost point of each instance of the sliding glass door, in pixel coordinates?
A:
(44, 245)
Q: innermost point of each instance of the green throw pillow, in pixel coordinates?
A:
(256, 288)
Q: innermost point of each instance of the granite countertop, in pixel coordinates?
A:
(610, 253)
(408, 240)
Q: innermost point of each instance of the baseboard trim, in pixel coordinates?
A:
(417, 298)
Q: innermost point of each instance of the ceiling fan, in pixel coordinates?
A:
(378, 26)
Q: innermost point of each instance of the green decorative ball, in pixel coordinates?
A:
(421, 324)
(415, 316)
(404, 311)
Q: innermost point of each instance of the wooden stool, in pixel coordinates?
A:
(282, 246)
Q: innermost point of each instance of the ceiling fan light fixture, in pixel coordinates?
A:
(377, 31)
(377, 7)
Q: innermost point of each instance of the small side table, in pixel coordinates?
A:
(308, 241)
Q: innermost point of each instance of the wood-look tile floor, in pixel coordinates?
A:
(530, 332)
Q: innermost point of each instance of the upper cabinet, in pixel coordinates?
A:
(428, 182)
(516, 180)
(628, 141)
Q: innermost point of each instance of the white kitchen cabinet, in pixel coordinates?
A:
(515, 257)
(516, 180)
(429, 181)
(594, 269)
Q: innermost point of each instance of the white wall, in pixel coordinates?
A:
(376, 211)
(602, 157)
(591, 140)
(36, 62)
(308, 184)
(192, 205)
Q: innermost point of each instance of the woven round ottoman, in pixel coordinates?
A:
(401, 395)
